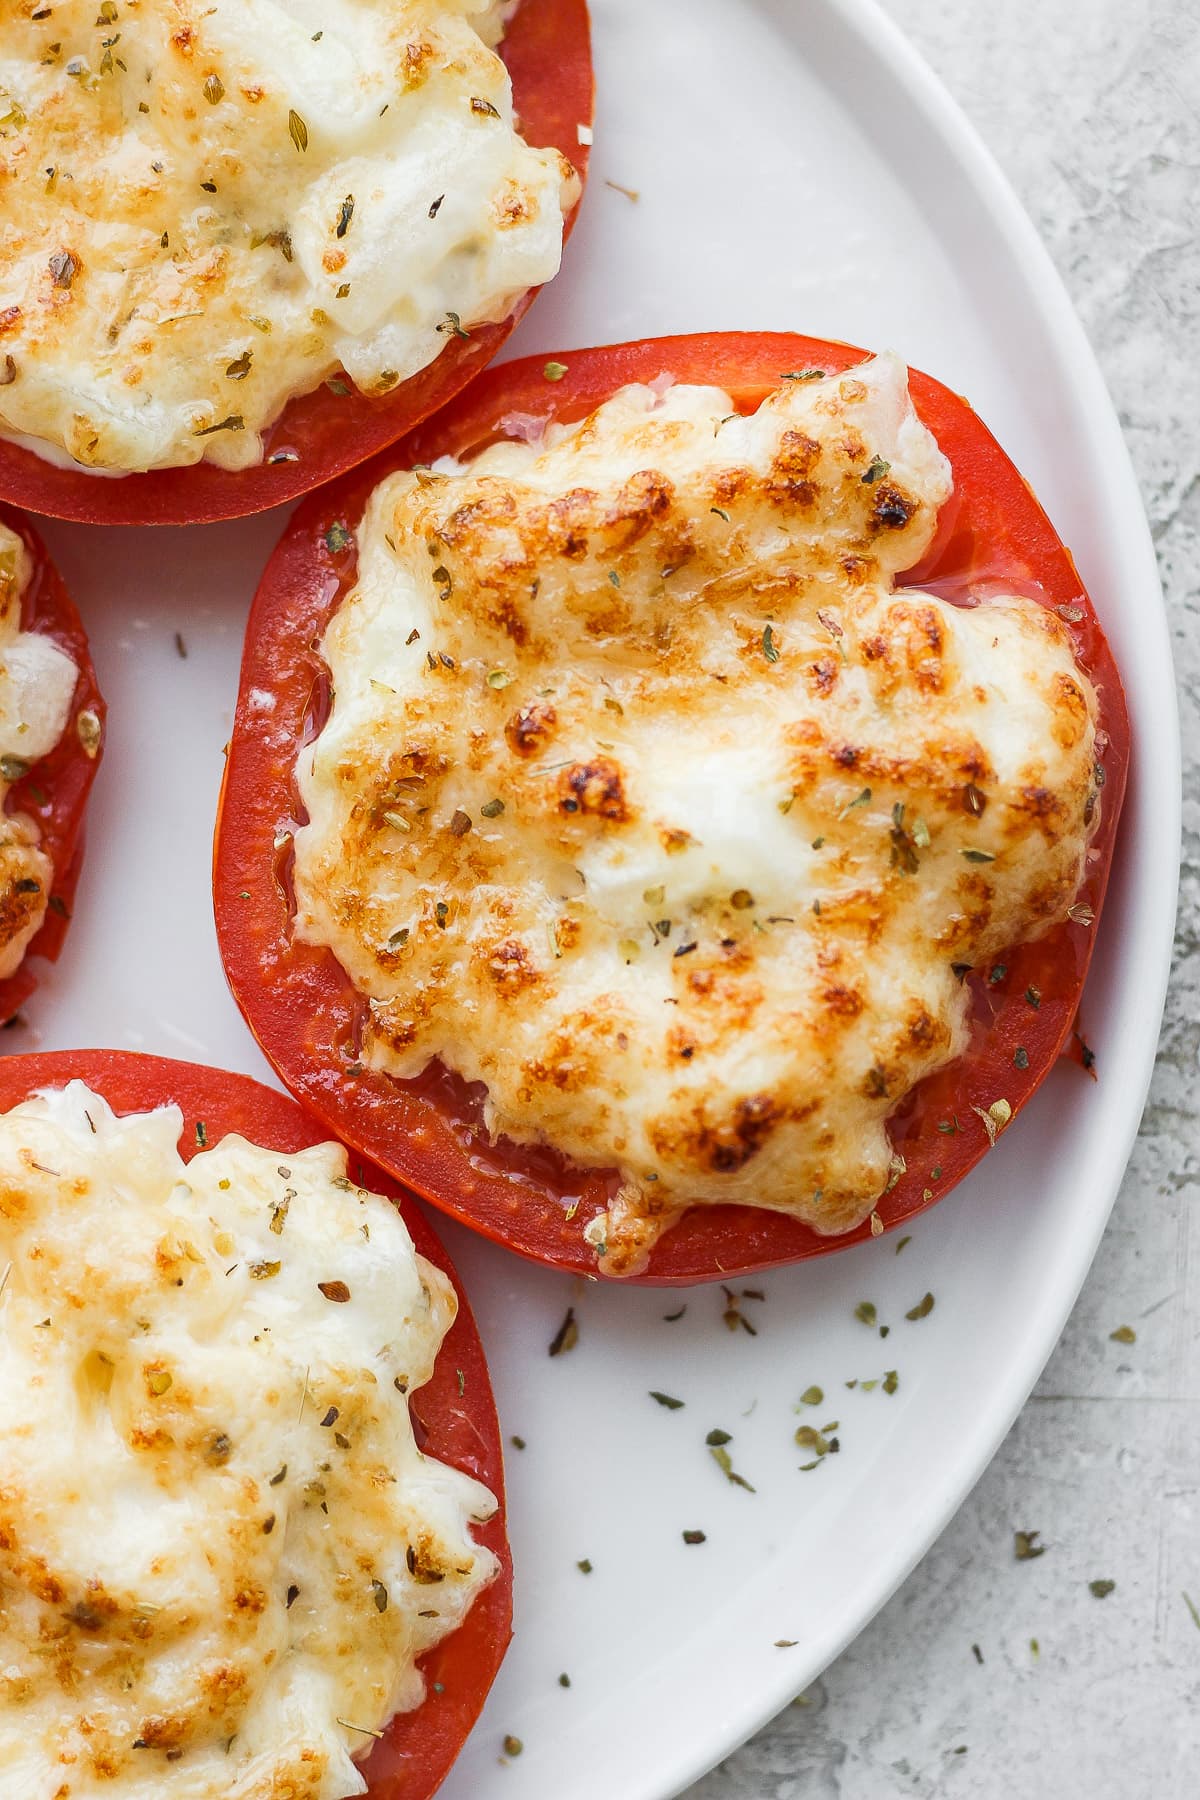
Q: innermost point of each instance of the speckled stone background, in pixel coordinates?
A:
(986, 1676)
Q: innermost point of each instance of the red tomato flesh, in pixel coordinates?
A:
(300, 1004)
(55, 790)
(455, 1414)
(321, 434)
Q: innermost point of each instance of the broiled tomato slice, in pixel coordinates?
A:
(547, 47)
(455, 1414)
(993, 537)
(54, 791)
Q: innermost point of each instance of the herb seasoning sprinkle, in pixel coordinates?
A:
(567, 1335)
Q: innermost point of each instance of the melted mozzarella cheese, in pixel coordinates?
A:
(209, 209)
(649, 800)
(37, 683)
(221, 1551)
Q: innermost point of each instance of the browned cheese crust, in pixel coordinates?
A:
(651, 802)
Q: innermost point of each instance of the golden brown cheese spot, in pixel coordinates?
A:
(822, 676)
(511, 206)
(893, 508)
(22, 899)
(529, 730)
(721, 777)
(495, 509)
(512, 968)
(726, 1145)
(1073, 713)
(593, 788)
(792, 466)
(841, 1002)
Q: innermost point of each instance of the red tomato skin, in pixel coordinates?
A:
(300, 1005)
(548, 53)
(55, 791)
(417, 1749)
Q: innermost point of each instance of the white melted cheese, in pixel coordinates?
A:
(37, 684)
(651, 801)
(210, 208)
(221, 1551)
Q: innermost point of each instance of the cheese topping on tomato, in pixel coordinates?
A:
(209, 209)
(37, 683)
(652, 800)
(221, 1551)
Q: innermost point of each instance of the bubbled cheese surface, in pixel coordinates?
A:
(205, 209)
(37, 683)
(651, 801)
(220, 1549)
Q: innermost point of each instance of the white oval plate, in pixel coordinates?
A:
(797, 167)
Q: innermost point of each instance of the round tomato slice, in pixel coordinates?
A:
(454, 1414)
(54, 790)
(993, 536)
(547, 48)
